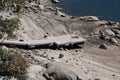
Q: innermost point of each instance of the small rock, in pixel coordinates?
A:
(96, 31)
(45, 36)
(82, 56)
(113, 40)
(117, 31)
(116, 26)
(73, 58)
(60, 14)
(59, 8)
(107, 37)
(66, 61)
(118, 36)
(55, 1)
(77, 64)
(44, 52)
(61, 55)
(61, 48)
(110, 32)
(41, 7)
(66, 49)
(102, 35)
(103, 46)
(52, 58)
(21, 40)
(89, 18)
(113, 75)
(44, 55)
(11, 13)
(111, 23)
(96, 79)
(77, 50)
(91, 34)
(5, 48)
(28, 55)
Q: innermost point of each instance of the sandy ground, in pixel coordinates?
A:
(91, 64)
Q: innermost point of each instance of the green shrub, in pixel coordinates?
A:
(12, 64)
(9, 4)
(8, 26)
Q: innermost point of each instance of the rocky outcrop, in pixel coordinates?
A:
(114, 41)
(60, 71)
(89, 18)
(55, 1)
(116, 31)
(109, 32)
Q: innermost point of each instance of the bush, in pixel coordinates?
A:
(8, 3)
(8, 26)
(12, 64)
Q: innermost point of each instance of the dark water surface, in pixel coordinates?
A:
(105, 9)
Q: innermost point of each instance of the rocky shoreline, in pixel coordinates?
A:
(98, 60)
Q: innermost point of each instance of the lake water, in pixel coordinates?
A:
(105, 9)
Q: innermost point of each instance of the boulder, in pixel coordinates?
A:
(61, 55)
(55, 1)
(60, 71)
(114, 41)
(109, 32)
(103, 46)
(61, 14)
(41, 7)
(112, 23)
(89, 18)
(117, 31)
(118, 36)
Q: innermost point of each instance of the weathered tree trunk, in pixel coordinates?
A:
(26, 44)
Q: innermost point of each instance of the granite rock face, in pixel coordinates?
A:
(60, 71)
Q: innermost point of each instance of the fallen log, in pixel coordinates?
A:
(26, 45)
(65, 41)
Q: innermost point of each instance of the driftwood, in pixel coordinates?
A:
(49, 42)
(21, 44)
